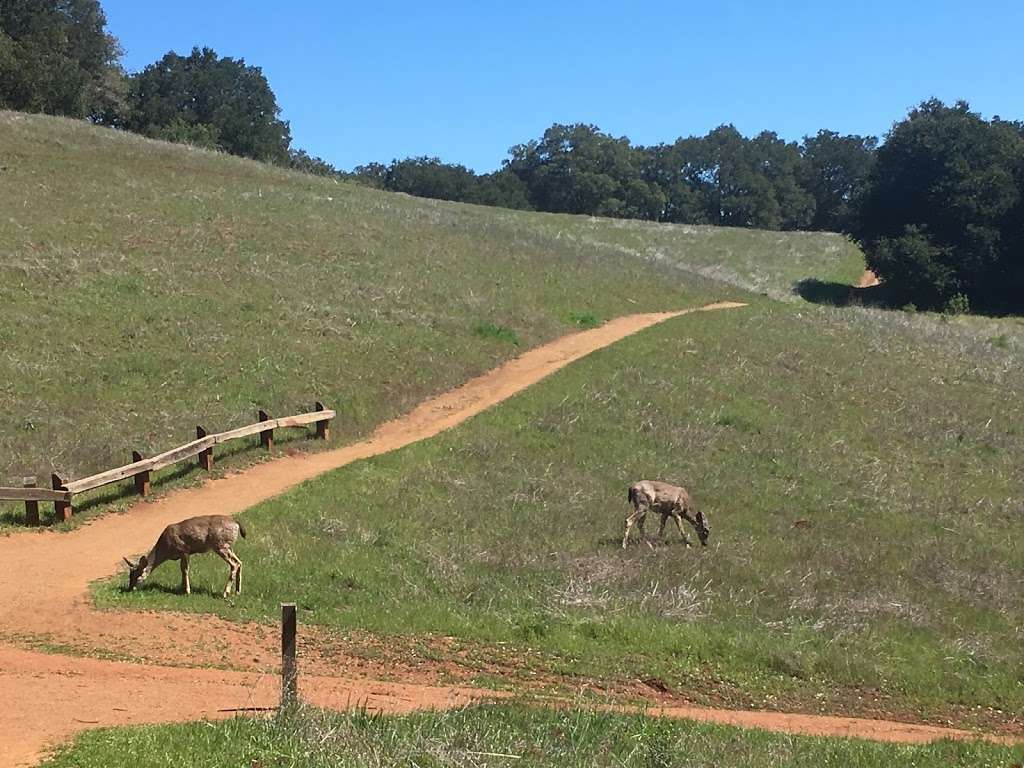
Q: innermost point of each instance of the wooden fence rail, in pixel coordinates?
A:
(141, 468)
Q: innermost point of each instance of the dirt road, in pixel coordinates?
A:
(44, 578)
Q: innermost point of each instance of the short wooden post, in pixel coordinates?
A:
(289, 666)
(62, 510)
(267, 435)
(205, 457)
(31, 507)
(141, 478)
(323, 428)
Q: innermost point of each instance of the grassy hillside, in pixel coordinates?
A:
(860, 469)
(862, 478)
(498, 735)
(146, 287)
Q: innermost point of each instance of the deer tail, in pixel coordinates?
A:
(631, 496)
(241, 530)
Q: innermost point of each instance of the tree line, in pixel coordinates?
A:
(938, 207)
(57, 57)
(722, 178)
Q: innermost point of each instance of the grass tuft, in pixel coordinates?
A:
(497, 332)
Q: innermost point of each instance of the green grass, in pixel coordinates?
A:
(497, 332)
(147, 287)
(892, 438)
(586, 320)
(496, 736)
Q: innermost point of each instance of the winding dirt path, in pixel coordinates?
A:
(44, 578)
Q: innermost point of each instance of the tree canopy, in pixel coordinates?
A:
(941, 217)
(57, 57)
(835, 173)
(722, 178)
(579, 169)
(209, 101)
(430, 177)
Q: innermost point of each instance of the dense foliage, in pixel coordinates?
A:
(430, 177)
(722, 178)
(942, 216)
(209, 101)
(56, 57)
(835, 173)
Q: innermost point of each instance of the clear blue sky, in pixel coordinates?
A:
(466, 80)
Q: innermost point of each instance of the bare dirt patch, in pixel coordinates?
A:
(868, 280)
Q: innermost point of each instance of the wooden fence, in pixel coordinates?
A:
(63, 492)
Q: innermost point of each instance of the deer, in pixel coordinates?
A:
(669, 501)
(194, 536)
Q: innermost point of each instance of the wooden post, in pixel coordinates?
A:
(267, 435)
(205, 457)
(323, 428)
(289, 666)
(141, 478)
(62, 510)
(31, 507)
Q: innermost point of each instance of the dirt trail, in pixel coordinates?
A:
(37, 599)
(44, 579)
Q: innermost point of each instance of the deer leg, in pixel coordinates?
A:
(636, 517)
(238, 572)
(630, 522)
(186, 588)
(679, 525)
(661, 528)
(224, 554)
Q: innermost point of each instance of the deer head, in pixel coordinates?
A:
(138, 571)
(703, 531)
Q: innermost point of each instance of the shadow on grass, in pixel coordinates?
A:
(881, 296)
(126, 490)
(647, 543)
(200, 589)
(841, 295)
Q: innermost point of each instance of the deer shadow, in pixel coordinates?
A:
(651, 542)
(175, 590)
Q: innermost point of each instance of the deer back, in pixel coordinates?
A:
(196, 535)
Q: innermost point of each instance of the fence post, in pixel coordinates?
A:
(267, 435)
(323, 428)
(141, 478)
(289, 667)
(205, 457)
(62, 510)
(31, 507)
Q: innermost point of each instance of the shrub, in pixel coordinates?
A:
(940, 217)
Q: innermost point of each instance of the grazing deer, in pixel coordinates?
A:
(194, 536)
(669, 501)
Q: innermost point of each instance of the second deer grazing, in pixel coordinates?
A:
(668, 501)
(208, 533)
